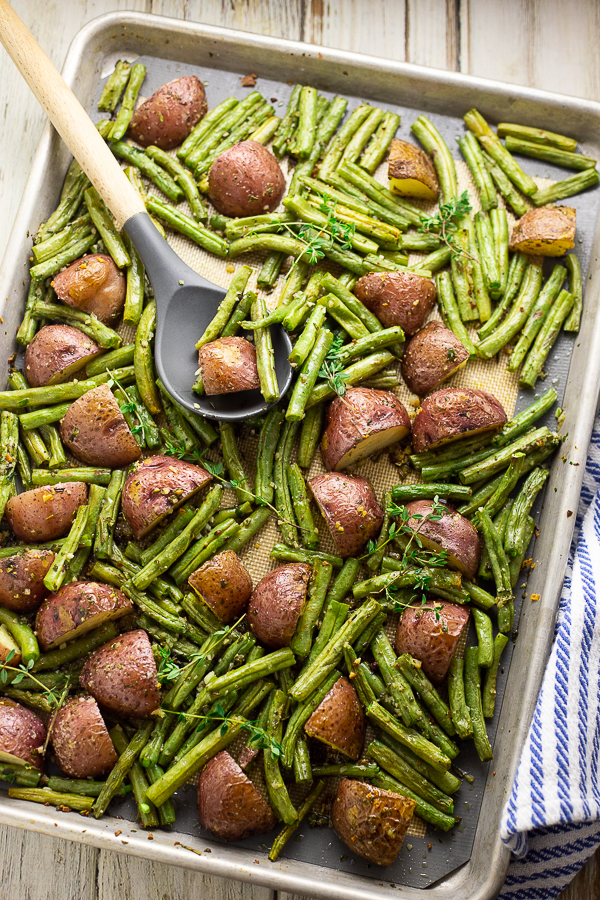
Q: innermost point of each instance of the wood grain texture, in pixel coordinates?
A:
(545, 43)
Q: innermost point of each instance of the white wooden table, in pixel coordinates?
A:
(543, 43)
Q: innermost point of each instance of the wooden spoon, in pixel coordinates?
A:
(185, 301)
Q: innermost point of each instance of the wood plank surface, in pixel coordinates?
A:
(545, 43)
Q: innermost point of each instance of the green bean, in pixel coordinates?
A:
(149, 168)
(28, 326)
(405, 493)
(125, 114)
(513, 542)
(183, 178)
(143, 361)
(134, 297)
(303, 636)
(412, 671)
(9, 443)
(70, 252)
(85, 475)
(493, 145)
(483, 626)
(226, 125)
(271, 268)
(421, 746)
(204, 126)
(506, 484)
(532, 367)
(101, 218)
(81, 786)
(261, 223)
(265, 358)
(363, 641)
(400, 691)
(537, 317)
(86, 322)
(276, 789)
(461, 717)
(447, 782)
(301, 715)
(554, 155)
(251, 672)
(239, 314)
(191, 421)
(436, 147)
(488, 255)
(43, 795)
(177, 220)
(114, 87)
(205, 548)
(56, 574)
(424, 810)
(265, 454)
(247, 530)
(353, 374)
(450, 311)
(147, 811)
(115, 359)
(362, 135)
(537, 135)
(560, 190)
(398, 768)
(305, 134)
(492, 464)
(233, 463)
(288, 123)
(474, 702)
(76, 649)
(358, 309)
(304, 808)
(498, 560)
(308, 376)
(75, 231)
(308, 533)
(283, 499)
(489, 686)
(380, 143)
(291, 554)
(108, 515)
(23, 635)
(180, 518)
(310, 214)
(71, 196)
(576, 289)
(310, 435)
(483, 181)
(333, 157)
(52, 439)
(306, 341)
(516, 562)
(26, 776)
(122, 768)
(516, 270)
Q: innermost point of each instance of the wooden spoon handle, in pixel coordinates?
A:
(69, 117)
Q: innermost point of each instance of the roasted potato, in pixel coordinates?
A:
(245, 180)
(276, 604)
(547, 231)
(122, 676)
(228, 365)
(430, 357)
(361, 423)
(22, 576)
(93, 284)
(370, 821)
(453, 413)
(168, 116)
(155, 487)
(77, 608)
(81, 741)
(229, 805)
(8, 647)
(411, 172)
(22, 735)
(95, 431)
(397, 298)
(430, 633)
(224, 585)
(56, 353)
(339, 720)
(45, 513)
(350, 509)
(447, 530)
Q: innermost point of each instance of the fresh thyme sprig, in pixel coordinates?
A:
(446, 222)
(168, 670)
(258, 736)
(24, 671)
(332, 368)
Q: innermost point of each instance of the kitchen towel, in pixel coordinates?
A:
(551, 821)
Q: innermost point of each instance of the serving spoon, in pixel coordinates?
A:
(185, 301)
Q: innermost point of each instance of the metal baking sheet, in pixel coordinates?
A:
(317, 862)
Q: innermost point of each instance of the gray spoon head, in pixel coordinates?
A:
(185, 304)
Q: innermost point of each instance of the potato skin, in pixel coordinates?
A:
(276, 604)
(95, 431)
(121, 676)
(245, 180)
(339, 720)
(22, 576)
(397, 298)
(452, 413)
(228, 365)
(155, 487)
(547, 231)
(22, 734)
(224, 585)
(93, 284)
(81, 741)
(430, 357)
(228, 803)
(431, 634)
(350, 509)
(168, 116)
(56, 353)
(45, 513)
(355, 419)
(411, 172)
(370, 821)
(451, 532)
(76, 608)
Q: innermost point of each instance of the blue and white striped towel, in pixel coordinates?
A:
(551, 821)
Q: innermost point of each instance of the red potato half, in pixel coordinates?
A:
(81, 741)
(339, 720)
(397, 298)
(22, 735)
(453, 413)
(350, 509)
(168, 116)
(122, 676)
(245, 180)
(56, 353)
(370, 821)
(45, 513)
(224, 585)
(9, 649)
(276, 604)
(431, 634)
(95, 431)
(433, 355)
(229, 805)
(77, 608)
(447, 530)
(361, 423)
(155, 487)
(228, 365)
(93, 284)
(22, 587)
